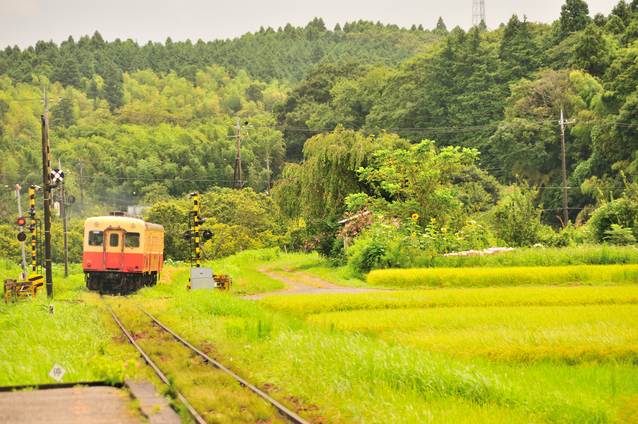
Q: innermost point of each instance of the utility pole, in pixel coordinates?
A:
(237, 174)
(63, 216)
(46, 179)
(562, 123)
(268, 175)
(24, 255)
(81, 190)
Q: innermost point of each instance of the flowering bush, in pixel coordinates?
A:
(355, 223)
(320, 236)
(393, 244)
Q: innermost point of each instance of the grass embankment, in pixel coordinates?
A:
(315, 266)
(243, 269)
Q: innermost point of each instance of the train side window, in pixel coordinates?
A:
(96, 238)
(132, 240)
(114, 240)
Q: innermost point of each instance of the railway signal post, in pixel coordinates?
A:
(24, 286)
(201, 277)
(24, 257)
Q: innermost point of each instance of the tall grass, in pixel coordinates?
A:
(565, 334)
(500, 277)
(244, 270)
(69, 329)
(334, 366)
(33, 340)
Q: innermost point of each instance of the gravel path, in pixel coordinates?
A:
(316, 286)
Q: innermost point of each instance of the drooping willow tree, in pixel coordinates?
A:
(317, 188)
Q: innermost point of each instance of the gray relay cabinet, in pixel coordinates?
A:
(202, 278)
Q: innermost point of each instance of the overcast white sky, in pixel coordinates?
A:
(24, 22)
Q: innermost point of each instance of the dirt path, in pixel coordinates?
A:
(314, 286)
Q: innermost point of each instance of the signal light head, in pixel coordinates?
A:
(22, 236)
(21, 221)
(199, 220)
(186, 235)
(207, 235)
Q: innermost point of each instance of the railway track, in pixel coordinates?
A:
(286, 413)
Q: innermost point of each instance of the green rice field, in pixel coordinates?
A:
(503, 277)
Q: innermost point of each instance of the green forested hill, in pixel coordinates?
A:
(155, 120)
(169, 136)
(285, 54)
(502, 93)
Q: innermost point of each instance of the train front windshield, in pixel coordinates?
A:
(96, 238)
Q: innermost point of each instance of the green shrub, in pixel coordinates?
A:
(622, 212)
(388, 244)
(516, 220)
(619, 235)
(569, 236)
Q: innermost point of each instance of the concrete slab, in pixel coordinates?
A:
(81, 405)
(154, 406)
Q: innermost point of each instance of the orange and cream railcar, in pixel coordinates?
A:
(122, 253)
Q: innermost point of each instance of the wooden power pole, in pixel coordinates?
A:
(46, 180)
(562, 123)
(237, 182)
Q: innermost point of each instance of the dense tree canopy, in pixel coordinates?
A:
(149, 123)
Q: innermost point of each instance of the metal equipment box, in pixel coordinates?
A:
(202, 278)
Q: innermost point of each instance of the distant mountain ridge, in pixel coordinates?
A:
(285, 54)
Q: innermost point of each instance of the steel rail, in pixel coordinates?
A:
(198, 418)
(290, 415)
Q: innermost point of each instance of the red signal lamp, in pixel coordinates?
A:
(21, 221)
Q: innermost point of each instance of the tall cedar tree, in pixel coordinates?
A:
(573, 17)
(520, 53)
(112, 90)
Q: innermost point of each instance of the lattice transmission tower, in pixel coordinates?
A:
(478, 12)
